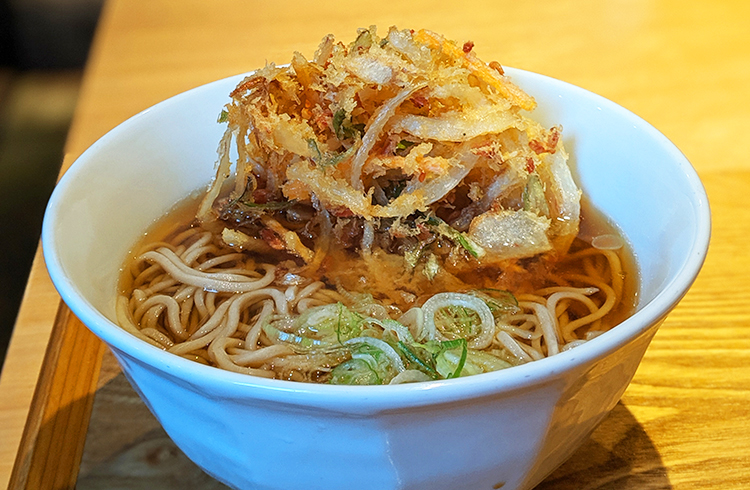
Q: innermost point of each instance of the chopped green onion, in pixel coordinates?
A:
(483, 362)
(321, 326)
(470, 245)
(500, 301)
(445, 361)
(348, 324)
(380, 349)
(355, 372)
(457, 321)
(389, 325)
(424, 365)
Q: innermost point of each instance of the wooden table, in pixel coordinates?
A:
(684, 66)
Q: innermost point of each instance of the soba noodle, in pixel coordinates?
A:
(195, 297)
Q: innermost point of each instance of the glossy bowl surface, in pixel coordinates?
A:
(511, 427)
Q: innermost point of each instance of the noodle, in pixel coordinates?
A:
(184, 324)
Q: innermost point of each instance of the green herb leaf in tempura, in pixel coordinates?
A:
(344, 128)
(441, 227)
(323, 160)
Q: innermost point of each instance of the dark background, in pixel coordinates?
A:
(43, 48)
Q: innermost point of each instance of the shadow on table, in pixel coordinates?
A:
(127, 449)
(618, 455)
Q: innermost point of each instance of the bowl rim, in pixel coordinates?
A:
(367, 399)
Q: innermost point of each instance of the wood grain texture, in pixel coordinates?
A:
(682, 65)
(24, 361)
(126, 448)
(51, 449)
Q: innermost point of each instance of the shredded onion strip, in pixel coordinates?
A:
(373, 130)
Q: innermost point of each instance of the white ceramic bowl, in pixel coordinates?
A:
(512, 427)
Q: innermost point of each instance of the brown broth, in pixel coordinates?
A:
(385, 279)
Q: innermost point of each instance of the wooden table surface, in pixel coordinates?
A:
(684, 66)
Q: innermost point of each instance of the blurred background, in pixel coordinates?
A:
(43, 48)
